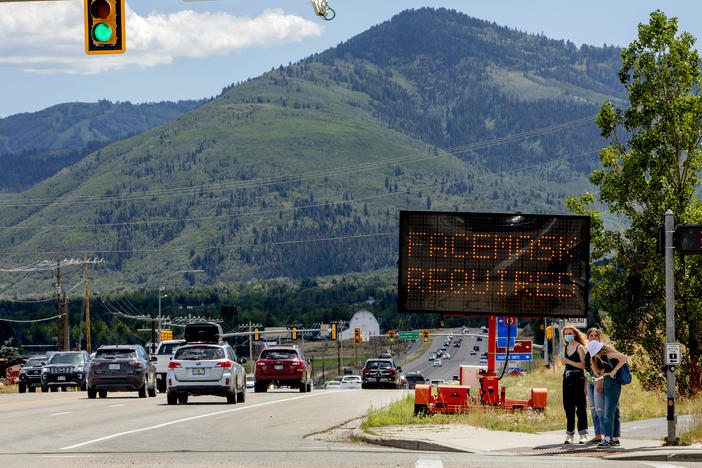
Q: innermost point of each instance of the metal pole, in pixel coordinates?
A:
(670, 323)
(59, 336)
(66, 327)
(87, 304)
(545, 343)
(250, 343)
(159, 312)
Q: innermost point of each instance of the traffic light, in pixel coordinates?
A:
(333, 332)
(425, 335)
(104, 26)
(391, 336)
(357, 336)
(294, 333)
(257, 336)
(166, 335)
(549, 332)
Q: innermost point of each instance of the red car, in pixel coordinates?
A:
(282, 366)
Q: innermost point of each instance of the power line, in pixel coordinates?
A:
(32, 321)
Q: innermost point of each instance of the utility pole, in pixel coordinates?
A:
(324, 348)
(250, 343)
(59, 336)
(87, 303)
(67, 328)
(672, 438)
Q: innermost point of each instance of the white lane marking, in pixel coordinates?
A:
(429, 462)
(660, 465)
(178, 421)
(59, 414)
(116, 406)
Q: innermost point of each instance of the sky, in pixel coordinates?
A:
(192, 49)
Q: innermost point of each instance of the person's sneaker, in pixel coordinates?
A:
(594, 441)
(604, 444)
(581, 438)
(614, 443)
(569, 439)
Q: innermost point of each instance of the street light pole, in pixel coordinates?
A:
(161, 288)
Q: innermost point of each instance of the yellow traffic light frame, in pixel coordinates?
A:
(357, 336)
(391, 336)
(111, 13)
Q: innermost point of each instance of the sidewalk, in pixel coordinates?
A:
(464, 438)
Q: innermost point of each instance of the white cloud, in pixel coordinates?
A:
(48, 37)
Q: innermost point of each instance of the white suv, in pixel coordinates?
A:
(163, 357)
(205, 369)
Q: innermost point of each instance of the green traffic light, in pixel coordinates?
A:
(102, 32)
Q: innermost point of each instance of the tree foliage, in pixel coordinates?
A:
(651, 164)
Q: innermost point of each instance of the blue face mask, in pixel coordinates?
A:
(569, 338)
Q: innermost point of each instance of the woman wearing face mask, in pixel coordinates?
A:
(574, 383)
(595, 390)
(607, 361)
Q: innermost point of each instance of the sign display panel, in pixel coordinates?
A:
(494, 264)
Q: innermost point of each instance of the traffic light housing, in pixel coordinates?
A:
(294, 333)
(257, 336)
(425, 335)
(333, 332)
(104, 27)
(357, 336)
(166, 335)
(391, 336)
(549, 332)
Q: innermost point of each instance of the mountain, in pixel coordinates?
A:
(34, 146)
(302, 171)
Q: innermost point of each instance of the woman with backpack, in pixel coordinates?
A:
(606, 361)
(595, 390)
(574, 383)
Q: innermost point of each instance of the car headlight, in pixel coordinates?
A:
(78, 369)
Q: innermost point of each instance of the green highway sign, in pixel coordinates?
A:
(408, 335)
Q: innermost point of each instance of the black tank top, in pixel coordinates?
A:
(573, 357)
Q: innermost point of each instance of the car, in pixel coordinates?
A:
(435, 382)
(351, 382)
(403, 382)
(163, 354)
(380, 373)
(437, 363)
(121, 368)
(455, 377)
(432, 356)
(476, 348)
(250, 381)
(30, 374)
(446, 356)
(205, 368)
(65, 369)
(484, 329)
(332, 385)
(457, 344)
(478, 339)
(414, 378)
(283, 366)
(483, 359)
(473, 353)
(384, 356)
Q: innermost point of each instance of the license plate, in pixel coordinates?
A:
(61, 377)
(278, 367)
(114, 366)
(198, 371)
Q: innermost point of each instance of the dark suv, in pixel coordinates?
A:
(30, 373)
(414, 378)
(282, 366)
(65, 369)
(121, 368)
(380, 373)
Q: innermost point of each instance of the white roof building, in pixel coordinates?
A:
(364, 320)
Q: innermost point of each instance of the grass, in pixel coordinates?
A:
(635, 403)
(8, 389)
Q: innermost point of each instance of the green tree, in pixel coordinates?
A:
(651, 164)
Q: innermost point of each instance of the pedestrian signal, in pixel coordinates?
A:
(333, 332)
(104, 26)
(391, 336)
(294, 333)
(356, 335)
(257, 336)
(166, 335)
(549, 332)
(425, 335)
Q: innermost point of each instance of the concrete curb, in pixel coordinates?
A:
(663, 454)
(407, 444)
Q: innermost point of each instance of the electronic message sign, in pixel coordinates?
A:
(494, 264)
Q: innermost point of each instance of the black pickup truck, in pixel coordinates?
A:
(380, 373)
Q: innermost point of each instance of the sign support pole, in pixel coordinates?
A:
(671, 439)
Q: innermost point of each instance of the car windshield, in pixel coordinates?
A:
(352, 378)
(66, 358)
(115, 354)
(168, 348)
(199, 353)
(279, 354)
(34, 362)
(415, 378)
(378, 365)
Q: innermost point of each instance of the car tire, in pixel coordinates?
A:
(309, 387)
(142, 390)
(231, 398)
(183, 399)
(54, 389)
(303, 387)
(161, 385)
(260, 387)
(64, 388)
(22, 387)
(364, 386)
(172, 398)
(44, 389)
(152, 390)
(102, 393)
(241, 396)
(92, 393)
(31, 389)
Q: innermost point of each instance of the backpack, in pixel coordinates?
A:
(623, 374)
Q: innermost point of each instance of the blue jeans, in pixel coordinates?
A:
(596, 401)
(611, 423)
